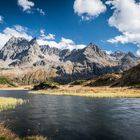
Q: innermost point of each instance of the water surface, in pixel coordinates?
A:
(74, 118)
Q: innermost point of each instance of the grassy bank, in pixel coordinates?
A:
(95, 92)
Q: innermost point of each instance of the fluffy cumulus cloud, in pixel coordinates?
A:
(27, 6)
(16, 31)
(126, 18)
(89, 9)
(62, 44)
(1, 19)
(69, 44)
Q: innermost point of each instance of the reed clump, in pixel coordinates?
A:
(10, 103)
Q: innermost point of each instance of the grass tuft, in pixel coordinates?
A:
(10, 103)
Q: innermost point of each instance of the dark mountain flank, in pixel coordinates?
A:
(130, 77)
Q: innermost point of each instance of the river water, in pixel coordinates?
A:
(73, 118)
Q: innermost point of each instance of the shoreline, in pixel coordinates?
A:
(93, 92)
(16, 88)
(83, 91)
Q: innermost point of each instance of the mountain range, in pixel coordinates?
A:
(28, 60)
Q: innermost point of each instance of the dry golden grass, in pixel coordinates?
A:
(6, 134)
(5, 87)
(9, 103)
(96, 92)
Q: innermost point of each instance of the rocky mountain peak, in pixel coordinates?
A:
(12, 39)
(15, 40)
(131, 55)
(118, 55)
(93, 52)
(47, 50)
(13, 47)
(33, 42)
(92, 47)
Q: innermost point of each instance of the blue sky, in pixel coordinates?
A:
(58, 17)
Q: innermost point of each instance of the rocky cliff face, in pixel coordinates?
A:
(67, 65)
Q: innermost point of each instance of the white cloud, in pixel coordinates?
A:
(108, 52)
(126, 18)
(41, 11)
(89, 9)
(138, 52)
(69, 44)
(21, 29)
(126, 15)
(50, 37)
(1, 19)
(43, 36)
(126, 37)
(16, 31)
(26, 5)
(62, 44)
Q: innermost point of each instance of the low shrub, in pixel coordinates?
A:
(46, 85)
(78, 82)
